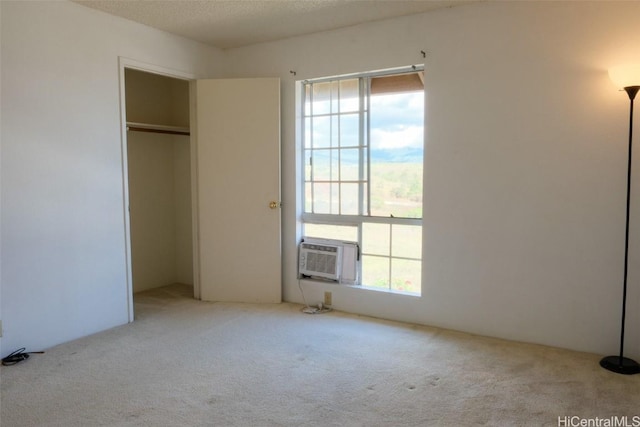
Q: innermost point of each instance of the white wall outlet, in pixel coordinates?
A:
(327, 298)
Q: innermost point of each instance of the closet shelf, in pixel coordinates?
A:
(147, 127)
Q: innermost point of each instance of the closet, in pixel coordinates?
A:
(159, 179)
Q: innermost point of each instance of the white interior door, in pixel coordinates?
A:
(238, 174)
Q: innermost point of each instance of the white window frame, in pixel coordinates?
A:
(364, 217)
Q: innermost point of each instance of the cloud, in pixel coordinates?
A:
(404, 108)
(397, 121)
(397, 137)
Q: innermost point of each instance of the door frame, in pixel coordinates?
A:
(124, 63)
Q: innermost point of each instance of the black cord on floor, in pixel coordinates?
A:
(18, 356)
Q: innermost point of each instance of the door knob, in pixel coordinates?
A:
(274, 205)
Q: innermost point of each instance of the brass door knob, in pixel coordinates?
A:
(274, 205)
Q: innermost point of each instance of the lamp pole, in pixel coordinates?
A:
(621, 364)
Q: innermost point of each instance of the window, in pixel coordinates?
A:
(363, 147)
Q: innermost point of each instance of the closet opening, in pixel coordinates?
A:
(158, 164)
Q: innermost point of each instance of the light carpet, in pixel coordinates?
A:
(190, 363)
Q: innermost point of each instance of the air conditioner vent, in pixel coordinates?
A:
(324, 263)
(329, 259)
(320, 260)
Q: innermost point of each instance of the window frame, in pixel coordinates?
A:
(364, 216)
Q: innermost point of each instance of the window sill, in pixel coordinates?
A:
(362, 288)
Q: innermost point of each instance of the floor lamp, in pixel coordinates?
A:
(628, 78)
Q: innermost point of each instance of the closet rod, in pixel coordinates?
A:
(143, 127)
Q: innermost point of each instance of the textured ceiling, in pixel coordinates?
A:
(236, 23)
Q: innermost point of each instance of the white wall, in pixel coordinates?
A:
(63, 253)
(525, 166)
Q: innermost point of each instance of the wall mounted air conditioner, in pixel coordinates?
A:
(329, 259)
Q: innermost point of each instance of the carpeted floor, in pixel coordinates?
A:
(189, 363)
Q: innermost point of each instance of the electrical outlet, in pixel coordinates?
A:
(327, 298)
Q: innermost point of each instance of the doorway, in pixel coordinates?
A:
(158, 177)
(234, 168)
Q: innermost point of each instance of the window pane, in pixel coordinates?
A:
(365, 198)
(321, 132)
(375, 271)
(321, 198)
(349, 95)
(365, 163)
(397, 123)
(335, 131)
(397, 188)
(375, 239)
(307, 100)
(349, 199)
(307, 133)
(335, 96)
(326, 231)
(335, 197)
(349, 130)
(321, 165)
(406, 275)
(335, 165)
(407, 241)
(349, 164)
(321, 98)
(365, 130)
(307, 197)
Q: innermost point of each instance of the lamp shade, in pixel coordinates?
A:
(625, 75)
